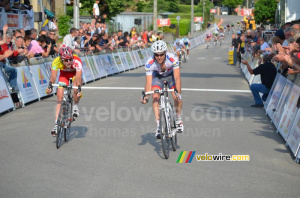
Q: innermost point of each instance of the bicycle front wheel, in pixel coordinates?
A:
(164, 135)
(69, 121)
(60, 125)
(173, 127)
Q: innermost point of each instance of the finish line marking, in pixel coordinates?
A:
(183, 89)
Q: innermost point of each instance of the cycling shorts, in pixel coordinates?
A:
(65, 76)
(158, 81)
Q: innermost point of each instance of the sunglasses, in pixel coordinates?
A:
(68, 60)
(52, 34)
(159, 55)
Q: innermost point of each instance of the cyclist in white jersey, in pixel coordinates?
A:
(187, 45)
(178, 45)
(163, 66)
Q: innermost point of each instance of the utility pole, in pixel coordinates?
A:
(155, 15)
(203, 9)
(192, 18)
(247, 4)
(76, 13)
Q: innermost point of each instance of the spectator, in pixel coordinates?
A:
(145, 37)
(104, 41)
(268, 72)
(93, 43)
(6, 51)
(263, 45)
(52, 39)
(43, 32)
(30, 15)
(85, 40)
(132, 32)
(22, 32)
(69, 39)
(96, 11)
(235, 44)
(33, 47)
(33, 33)
(238, 51)
(42, 40)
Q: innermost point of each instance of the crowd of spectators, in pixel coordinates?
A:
(280, 47)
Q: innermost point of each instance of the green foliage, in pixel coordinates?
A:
(63, 24)
(184, 8)
(109, 7)
(232, 3)
(265, 11)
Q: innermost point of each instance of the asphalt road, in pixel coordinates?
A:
(113, 152)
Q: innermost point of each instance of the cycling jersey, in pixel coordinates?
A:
(179, 45)
(57, 64)
(153, 67)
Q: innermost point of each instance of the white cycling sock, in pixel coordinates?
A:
(157, 123)
(75, 106)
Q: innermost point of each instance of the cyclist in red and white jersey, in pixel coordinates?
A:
(163, 66)
(70, 66)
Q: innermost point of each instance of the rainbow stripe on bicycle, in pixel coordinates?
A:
(189, 158)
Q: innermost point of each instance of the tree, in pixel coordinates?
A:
(109, 7)
(265, 11)
(232, 3)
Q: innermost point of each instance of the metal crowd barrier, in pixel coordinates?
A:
(282, 104)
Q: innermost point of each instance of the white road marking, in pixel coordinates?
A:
(184, 89)
(216, 58)
(201, 58)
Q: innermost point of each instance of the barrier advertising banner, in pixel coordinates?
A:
(113, 64)
(5, 98)
(40, 78)
(276, 96)
(124, 61)
(137, 57)
(144, 54)
(107, 66)
(271, 92)
(100, 64)
(289, 112)
(118, 62)
(86, 71)
(282, 102)
(26, 85)
(91, 64)
(130, 60)
(293, 139)
(134, 59)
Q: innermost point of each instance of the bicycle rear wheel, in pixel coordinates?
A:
(164, 135)
(60, 126)
(173, 127)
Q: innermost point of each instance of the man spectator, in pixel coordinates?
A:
(30, 15)
(98, 28)
(33, 47)
(85, 40)
(33, 33)
(42, 40)
(6, 51)
(263, 45)
(93, 43)
(96, 10)
(238, 51)
(22, 32)
(17, 33)
(52, 39)
(287, 35)
(235, 44)
(104, 41)
(123, 42)
(69, 39)
(268, 72)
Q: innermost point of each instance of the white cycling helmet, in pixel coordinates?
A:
(159, 46)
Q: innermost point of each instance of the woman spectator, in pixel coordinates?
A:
(33, 47)
(132, 32)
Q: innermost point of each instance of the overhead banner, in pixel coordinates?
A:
(293, 139)
(6, 102)
(26, 85)
(12, 21)
(289, 112)
(276, 96)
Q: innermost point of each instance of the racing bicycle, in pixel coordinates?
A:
(167, 122)
(65, 115)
